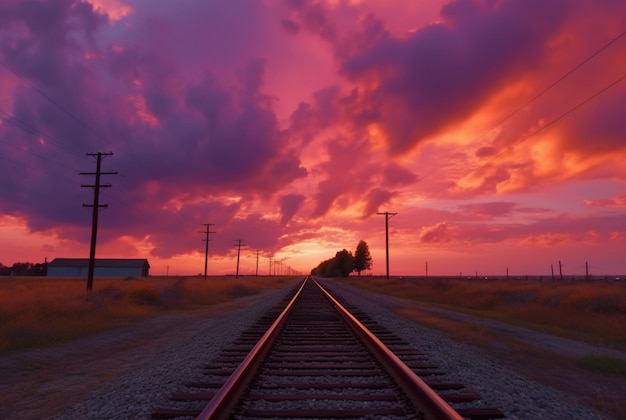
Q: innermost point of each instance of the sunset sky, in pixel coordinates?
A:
(495, 129)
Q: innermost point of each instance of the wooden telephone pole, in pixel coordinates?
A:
(238, 245)
(206, 247)
(387, 217)
(96, 206)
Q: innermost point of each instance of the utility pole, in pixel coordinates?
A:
(387, 217)
(238, 245)
(257, 263)
(206, 240)
(96, 206)
(270, 266)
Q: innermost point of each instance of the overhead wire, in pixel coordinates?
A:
(55, 103)
(35, 132)
(553, 84)
(566, 113)
(66, 111)
(533, 99)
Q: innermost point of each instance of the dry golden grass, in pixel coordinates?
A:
(592, 311)
(36, 311)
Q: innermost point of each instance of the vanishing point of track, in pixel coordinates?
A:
(317, 360)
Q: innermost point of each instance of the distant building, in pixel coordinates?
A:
(104, 267)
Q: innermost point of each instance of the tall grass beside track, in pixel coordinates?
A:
(592, 311)
(37, 311)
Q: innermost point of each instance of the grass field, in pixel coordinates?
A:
(591, 311)
(38, 311)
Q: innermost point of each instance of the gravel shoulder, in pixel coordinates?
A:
(120, 374)
(125, 373)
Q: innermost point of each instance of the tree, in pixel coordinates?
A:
(341, 265)
(362, 257)
(344, 263)
(23, 269)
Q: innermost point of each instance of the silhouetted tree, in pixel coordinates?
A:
(339, 266)
(23, 269)
(362, 257)
(344, 262)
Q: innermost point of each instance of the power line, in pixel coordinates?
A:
(39, 136)
(64, 109)
(33, 131)
(556, 82)
(541, 93)
(43, 158)
(566, 113)
(54, 102)
(542, 128)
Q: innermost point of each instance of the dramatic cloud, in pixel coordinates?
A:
(290, 124)
(434, 234)
(289, 206)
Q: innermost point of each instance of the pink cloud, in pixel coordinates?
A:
(488, 211)
(435, 234)
(376, 198)
(442, 72)
(619, 201)
(289, 206)
(282, 121)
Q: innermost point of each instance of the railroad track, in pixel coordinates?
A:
(317, 360)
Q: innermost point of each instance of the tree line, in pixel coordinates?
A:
(23, 269)
(344, 262)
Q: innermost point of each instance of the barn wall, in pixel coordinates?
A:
(117, 271)
(66, 272)
(97, 272)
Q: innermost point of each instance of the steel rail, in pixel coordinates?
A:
(422, 396)
(226, 399)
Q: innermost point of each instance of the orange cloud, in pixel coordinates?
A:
(548, 240)
(114, 9)
(438, 233)
(619, 201)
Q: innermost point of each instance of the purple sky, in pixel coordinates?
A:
(495, 129)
